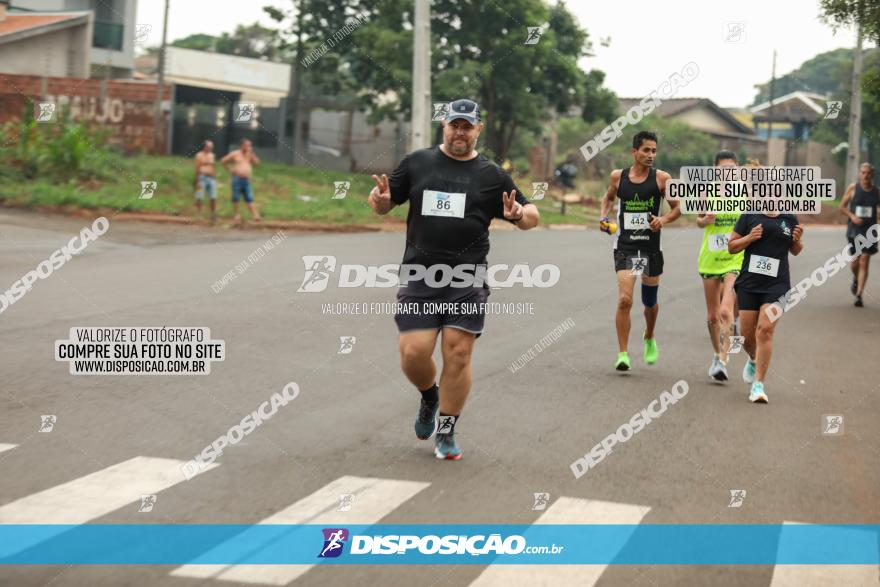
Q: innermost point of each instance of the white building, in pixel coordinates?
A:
(46, 43)
(112, 36)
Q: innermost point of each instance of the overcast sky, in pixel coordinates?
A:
(648, 40)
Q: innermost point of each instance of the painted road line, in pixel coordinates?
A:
(374, 499)
(565, 510)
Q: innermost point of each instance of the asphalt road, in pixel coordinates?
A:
(520, 431)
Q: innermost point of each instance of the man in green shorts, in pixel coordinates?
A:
(719, 270)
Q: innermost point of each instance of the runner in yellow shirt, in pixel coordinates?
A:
(719, 270)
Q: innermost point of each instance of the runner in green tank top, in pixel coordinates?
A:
(719, 269)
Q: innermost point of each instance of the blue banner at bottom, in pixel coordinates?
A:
(479, 544)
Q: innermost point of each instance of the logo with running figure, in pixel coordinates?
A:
(147, 503)
(346, 501)
(539, 190)
(833, 108)
(534, 35)
(832, 424)
(446, 424)
(541, 501)
(44, 112)
(47, 423)
(340, 189)
(244, 112)
(440, 111)
(785, 229)
(736, 344)
(318, 270)
(737, 496)
(346, 345)
(735, 32)
(334, 542)
(639, 264)
(148, 190)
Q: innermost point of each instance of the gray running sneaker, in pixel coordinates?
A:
(717, 370)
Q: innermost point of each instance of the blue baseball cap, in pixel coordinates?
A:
(465, 110)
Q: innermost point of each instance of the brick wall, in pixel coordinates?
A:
(125, 107)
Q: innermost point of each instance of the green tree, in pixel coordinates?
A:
(600, 103)
(253, 40)
(478, 51)
(823, 74)
(843, 13)
(830, 74)
(198, 41)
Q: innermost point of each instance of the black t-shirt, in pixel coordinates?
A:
(768, 255)
(451, 204)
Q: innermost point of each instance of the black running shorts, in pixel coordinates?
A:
(623, 261)
(752, 301)
(447, 308)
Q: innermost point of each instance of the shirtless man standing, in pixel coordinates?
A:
(206, 179)
(239, 164)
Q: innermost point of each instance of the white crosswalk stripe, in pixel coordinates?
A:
(374, 499)
(823, 575)
(93, 495)
(565, 510)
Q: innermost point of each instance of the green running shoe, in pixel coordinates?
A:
(622, 363)
(651, 352)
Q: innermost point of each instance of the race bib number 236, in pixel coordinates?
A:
(446, 204)
(764, 265)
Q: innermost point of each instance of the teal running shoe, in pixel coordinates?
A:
(757, 395)
(749, 371)
(446, 448)
(426, 421)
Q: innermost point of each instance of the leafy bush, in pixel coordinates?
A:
(61, 151)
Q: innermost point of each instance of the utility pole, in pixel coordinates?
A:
(772, 96)
(157, 114)
(853, 153)
(551, 146)
(295, 92)
(421, 90)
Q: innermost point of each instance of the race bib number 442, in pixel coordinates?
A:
(446, 204)
(764, 265)
(635, 220)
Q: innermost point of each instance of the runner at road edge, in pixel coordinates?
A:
(859, 205)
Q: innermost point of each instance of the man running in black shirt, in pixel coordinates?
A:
(859, 204)
(453, 193)
(637, 250)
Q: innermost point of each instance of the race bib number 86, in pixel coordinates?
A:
(446, 204)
